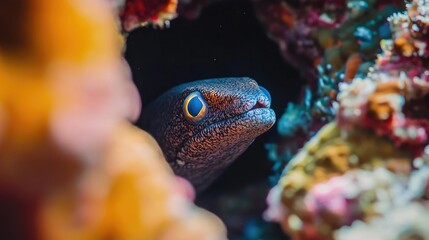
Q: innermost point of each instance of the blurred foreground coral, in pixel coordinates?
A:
(71, 164)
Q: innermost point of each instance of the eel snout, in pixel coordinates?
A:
(263, 102)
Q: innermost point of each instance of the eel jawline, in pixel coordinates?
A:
(246, 126)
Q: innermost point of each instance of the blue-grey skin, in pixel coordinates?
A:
(238, 112)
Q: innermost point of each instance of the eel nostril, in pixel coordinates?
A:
(265, 91)
(259, 105)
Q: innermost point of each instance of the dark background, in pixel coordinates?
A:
(226, 40)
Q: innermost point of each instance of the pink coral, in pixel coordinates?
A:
(328, 197)
(378, 103)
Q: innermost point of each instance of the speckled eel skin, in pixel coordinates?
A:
(203, 126)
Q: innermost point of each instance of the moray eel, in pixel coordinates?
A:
(203, 126)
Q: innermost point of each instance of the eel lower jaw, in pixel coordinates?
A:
(245, 126)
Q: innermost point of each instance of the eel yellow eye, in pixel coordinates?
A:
(194, 107)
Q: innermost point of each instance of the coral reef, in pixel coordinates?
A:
(136, 13)
(365, 175)
(71, 164)
(335, 180)
(331, 34)
(392, 98)
(330, 42)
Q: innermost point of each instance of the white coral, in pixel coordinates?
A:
(407, 222)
